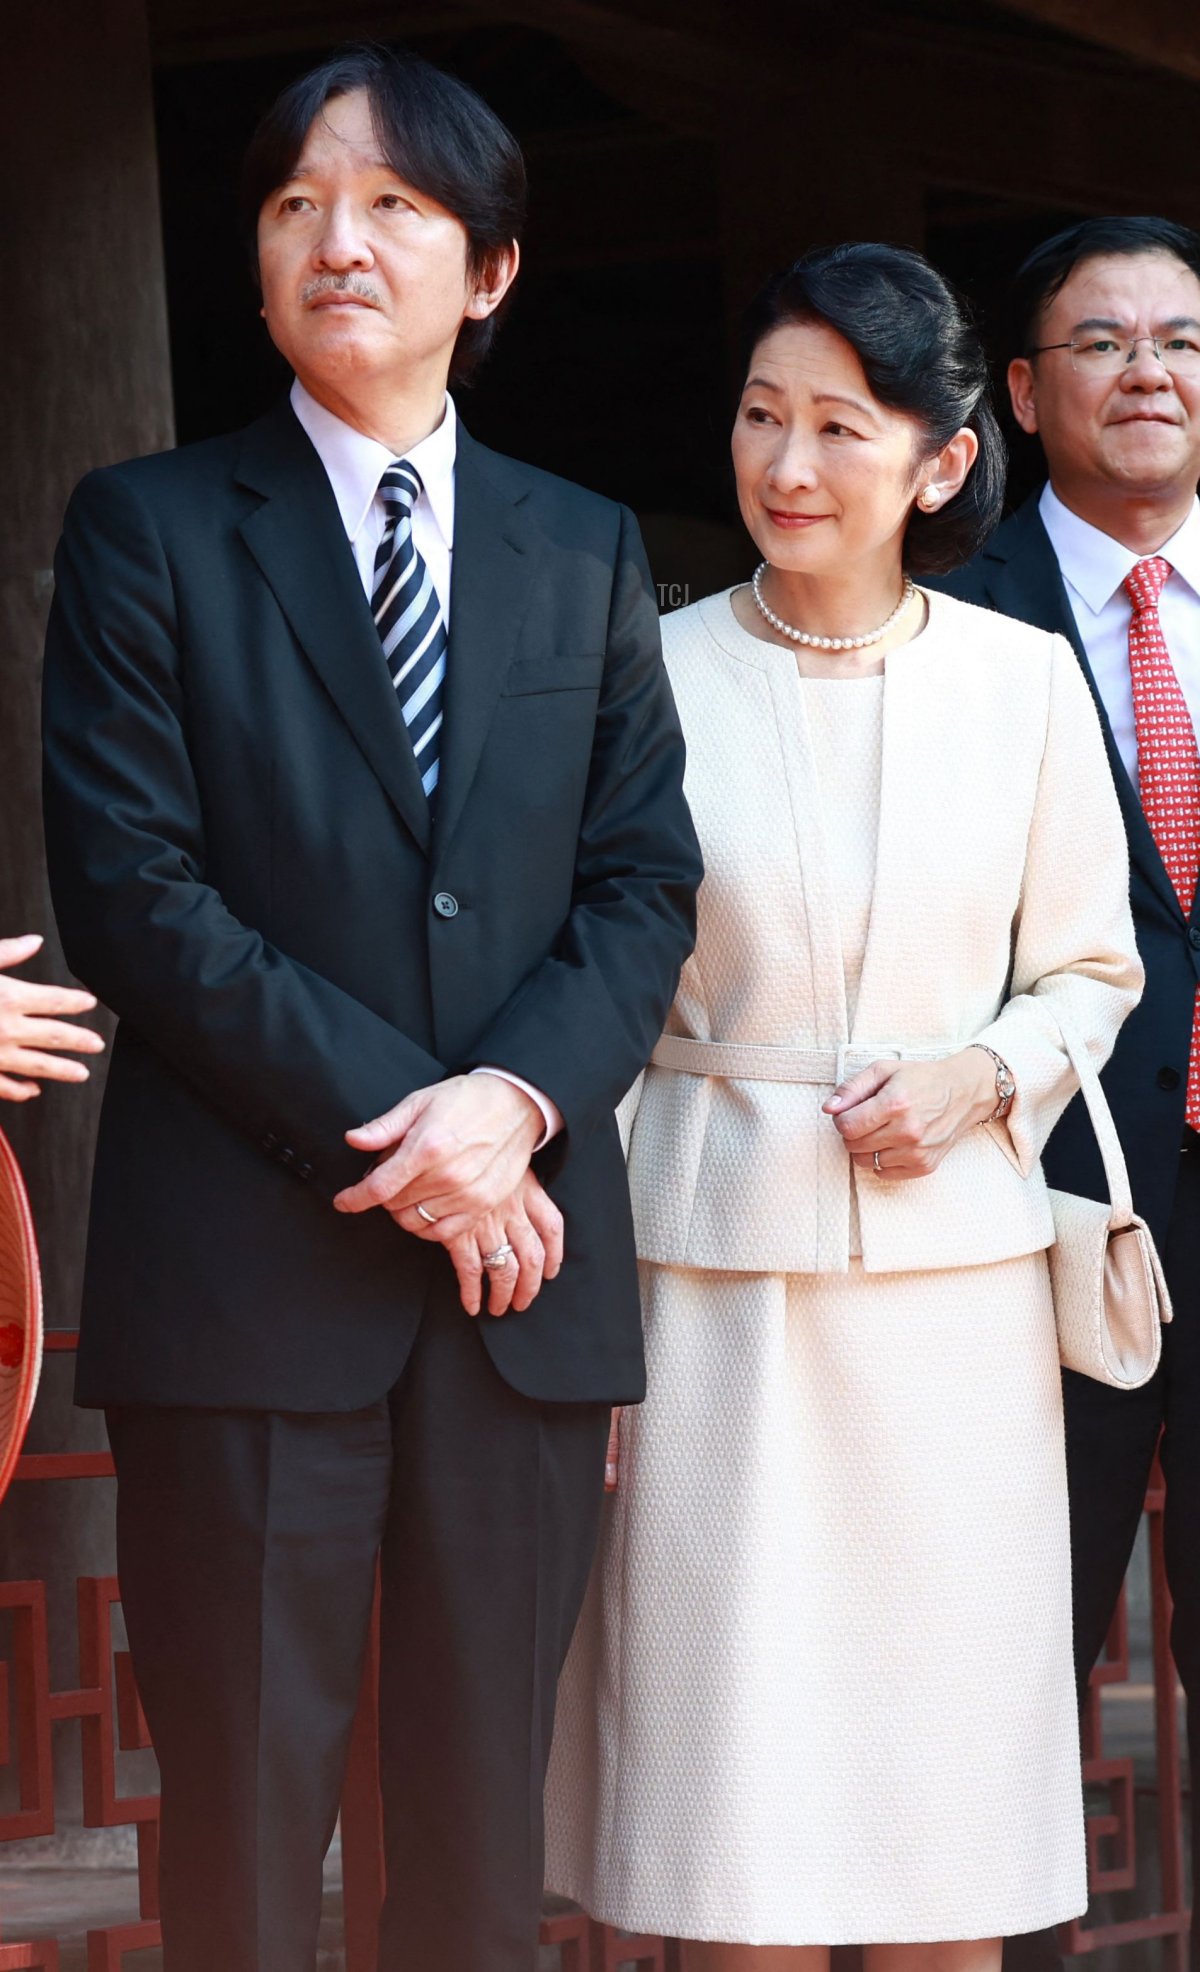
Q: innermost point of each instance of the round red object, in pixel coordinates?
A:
(20, 1313)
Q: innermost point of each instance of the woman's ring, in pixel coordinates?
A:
(498, 1257)
(874, 1160)
(427, 1216)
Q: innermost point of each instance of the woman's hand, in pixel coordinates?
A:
(531, 1223)
(31, 1038)
(912, 1112)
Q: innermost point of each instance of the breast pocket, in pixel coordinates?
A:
(554, 674)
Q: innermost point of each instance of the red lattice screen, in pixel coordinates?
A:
(106, 1704)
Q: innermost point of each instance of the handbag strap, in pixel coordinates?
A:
(1116, 1172)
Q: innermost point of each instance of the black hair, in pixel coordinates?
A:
(920, 354)
(435, 132)
(1050, 266)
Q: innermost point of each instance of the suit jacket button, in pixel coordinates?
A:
(304, 1171)
(445, 905)
(1167, 1078)
(270, 1144)
(287, 1156)
(1194, 938)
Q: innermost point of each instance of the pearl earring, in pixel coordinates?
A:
(929, 499)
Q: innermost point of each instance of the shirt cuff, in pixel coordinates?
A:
(551, 1113)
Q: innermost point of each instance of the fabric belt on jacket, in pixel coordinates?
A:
(751, 1062)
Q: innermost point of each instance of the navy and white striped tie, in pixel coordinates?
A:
(408, 618)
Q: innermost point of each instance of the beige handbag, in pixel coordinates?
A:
(1110, 1297)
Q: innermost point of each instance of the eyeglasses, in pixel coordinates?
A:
(1107, 355)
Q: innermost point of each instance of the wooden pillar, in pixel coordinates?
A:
(85, 380)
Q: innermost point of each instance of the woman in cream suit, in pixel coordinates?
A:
(822, 1689)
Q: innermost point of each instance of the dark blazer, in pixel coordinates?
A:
(1017, 573)
(243, 868)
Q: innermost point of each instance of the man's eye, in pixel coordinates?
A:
(1099, 346)
(1190, 343)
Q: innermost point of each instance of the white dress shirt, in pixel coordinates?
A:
(1094, 566)
(355, 464)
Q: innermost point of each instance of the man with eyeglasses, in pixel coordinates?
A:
(1107, 319)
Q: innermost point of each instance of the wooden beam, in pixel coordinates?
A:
(959, 103)
(1160, 32)
(1044, 125)
(184, 31)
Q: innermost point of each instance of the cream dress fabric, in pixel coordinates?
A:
(821, 1691)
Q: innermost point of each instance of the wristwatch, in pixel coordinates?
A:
(1006, 1087)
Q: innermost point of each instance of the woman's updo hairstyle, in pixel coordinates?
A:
(920, 354)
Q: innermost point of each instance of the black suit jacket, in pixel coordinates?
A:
(1017, 573)
(243, 868)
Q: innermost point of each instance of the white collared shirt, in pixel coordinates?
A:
(1094, 566)
(355, 464)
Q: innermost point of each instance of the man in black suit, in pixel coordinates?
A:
(339, 837)
(1107, 321)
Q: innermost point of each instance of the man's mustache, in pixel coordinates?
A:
(354, 284)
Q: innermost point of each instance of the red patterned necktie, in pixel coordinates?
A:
(1168, 761)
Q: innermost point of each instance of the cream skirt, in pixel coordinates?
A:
(821, 1691)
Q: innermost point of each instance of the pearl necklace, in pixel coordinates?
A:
(829, 643)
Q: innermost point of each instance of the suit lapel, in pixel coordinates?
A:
(1025, 581)
(493, 564)
(297, 539)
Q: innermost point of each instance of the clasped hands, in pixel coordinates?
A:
(461, 1150)
(912, 1112)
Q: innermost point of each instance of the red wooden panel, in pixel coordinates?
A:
(571, 1932)
(613, 1951)
(41, 1957)
(105, 1703)
(64, 1465)
(106, 1949)
(1112, 1836)
(28, 1674)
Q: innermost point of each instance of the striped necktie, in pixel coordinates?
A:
(408, 618)
(1168, 761)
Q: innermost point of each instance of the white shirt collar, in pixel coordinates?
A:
(1095, 564)
(356, 464)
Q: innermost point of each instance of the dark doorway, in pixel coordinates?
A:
(978, 243)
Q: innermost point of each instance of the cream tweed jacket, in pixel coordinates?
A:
(1000, 904)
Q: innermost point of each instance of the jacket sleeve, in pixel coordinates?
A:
(1074, 954)
(582, 1025)
(287, 1056)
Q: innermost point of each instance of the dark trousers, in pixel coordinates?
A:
(1111, 1438)
(247, 1545)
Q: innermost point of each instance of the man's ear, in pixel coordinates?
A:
(492, 284)
(1023, 391)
